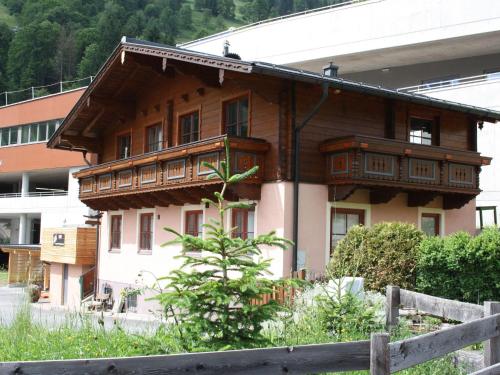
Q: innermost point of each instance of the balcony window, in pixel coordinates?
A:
(189, 127)
(115, 232)
(243, 220)
(430, 224)
(343, 219)
(146, 232)
(421, 131)
(153, 138)
(236, 117)
(124, 142)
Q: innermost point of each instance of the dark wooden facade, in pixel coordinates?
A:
(356, 140)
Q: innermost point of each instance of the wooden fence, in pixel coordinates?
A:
(480, 324)
(379, 355)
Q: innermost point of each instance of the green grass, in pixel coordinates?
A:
(79, 338)
(3, 276)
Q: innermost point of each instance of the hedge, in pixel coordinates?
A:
(460, 266)
(383, 254)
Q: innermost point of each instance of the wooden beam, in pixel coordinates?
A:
(380, 360)
(455, 201)
(245, 191)
(87, 143)
(161, 198)
(420, 198)
(92, 123)
(379, 196)
(125, 108)
(390, 119)
(340, 192)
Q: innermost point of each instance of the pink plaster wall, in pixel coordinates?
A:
(312, 225)
(461, 219)
(395, 210)
(56, 281)
(56, 284)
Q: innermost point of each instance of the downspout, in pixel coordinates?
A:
(296, 174)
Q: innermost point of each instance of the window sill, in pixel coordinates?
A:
(145, 252)
(114, 251)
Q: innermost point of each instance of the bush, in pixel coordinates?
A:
(461, 267)
(385, 254)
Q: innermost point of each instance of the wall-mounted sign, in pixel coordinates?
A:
(58, 239)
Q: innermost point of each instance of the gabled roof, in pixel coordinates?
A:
(262, 68)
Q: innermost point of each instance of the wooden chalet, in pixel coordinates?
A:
(331, 152)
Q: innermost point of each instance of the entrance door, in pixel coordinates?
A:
(65, 284)
(35, 231)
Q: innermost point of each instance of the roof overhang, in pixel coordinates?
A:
(139, 47)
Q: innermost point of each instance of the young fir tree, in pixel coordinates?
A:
(211, 297)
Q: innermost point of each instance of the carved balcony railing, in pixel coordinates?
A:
(171, 176)
(387, 166)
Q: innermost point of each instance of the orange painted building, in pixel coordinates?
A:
(37, 189)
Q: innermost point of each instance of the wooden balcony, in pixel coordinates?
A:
(387, 167)
(171, 176)
(71, 245)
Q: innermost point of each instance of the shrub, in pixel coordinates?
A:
(460, 266)
(384, 254)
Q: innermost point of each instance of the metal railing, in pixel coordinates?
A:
(35, 92)
(34, 194)
(455, 83)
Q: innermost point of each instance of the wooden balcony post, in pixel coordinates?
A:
(392, 306)
(380, 361)
(492, 346)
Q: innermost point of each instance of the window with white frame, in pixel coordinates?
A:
(115, 232)
(341, 220)
(243, 220)
(146, 231)
(193, 220)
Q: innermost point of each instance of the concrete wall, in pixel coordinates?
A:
(368, 35)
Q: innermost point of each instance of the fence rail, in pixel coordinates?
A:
(35, 92)
(452, 83)
(34, 194)
(482, 324)
(304, 359)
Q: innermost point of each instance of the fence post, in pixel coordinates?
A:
(392, 306)
(380, 360)
(492, 346)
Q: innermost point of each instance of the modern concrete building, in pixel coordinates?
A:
(37, 188)
(448, 50)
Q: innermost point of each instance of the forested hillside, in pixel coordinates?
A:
(44, 41)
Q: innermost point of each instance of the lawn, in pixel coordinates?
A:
(77, 337)
(3, 277)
